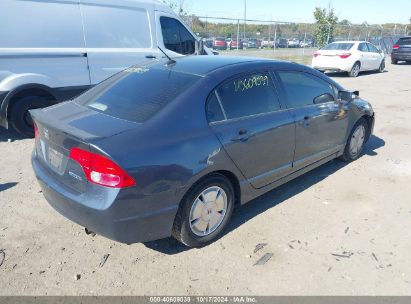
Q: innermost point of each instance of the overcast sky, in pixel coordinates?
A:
(357, 11)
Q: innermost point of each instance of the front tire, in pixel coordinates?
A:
(20, 117)
(382, 67)
(355, 71)
(393, 61)
(204, 211)
(356, 141)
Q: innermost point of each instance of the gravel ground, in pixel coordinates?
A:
(338, 230)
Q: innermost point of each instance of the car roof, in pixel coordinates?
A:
(203, 65)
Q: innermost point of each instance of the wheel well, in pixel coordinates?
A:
(368, 119)
(236, 185)
(30, 92)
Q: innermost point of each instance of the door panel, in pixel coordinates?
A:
(262, 147)
(117, 37)
(255, 131)
(321, 121)
(320, 131)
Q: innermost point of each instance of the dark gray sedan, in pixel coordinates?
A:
(170, 149)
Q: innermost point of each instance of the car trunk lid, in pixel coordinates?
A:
(65, 126)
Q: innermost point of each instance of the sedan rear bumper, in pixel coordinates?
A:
(401, 56)
(138, 226)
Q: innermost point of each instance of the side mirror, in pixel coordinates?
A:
(348, 95)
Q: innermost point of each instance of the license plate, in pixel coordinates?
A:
(55, 158)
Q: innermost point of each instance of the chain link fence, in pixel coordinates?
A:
(285, 40)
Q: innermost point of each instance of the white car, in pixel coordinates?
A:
(352, 57)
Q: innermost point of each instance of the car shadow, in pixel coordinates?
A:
(271, 199)
(7, 186)
(345, 75)
(10, 135)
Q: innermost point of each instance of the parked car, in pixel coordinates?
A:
(352, 57)
(282, 43)
(236, 44)
(220, 44)
(170, 148)
(58, 56)
(229, 41)
(293, 43)
(209, 43)
(401, 51)
(306, 44)
(253, 43)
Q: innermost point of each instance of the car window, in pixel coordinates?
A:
(363, 47)
(304, 90)
(248, 95)
(404, 41)
(372, 48)
(176, 37)
(137, 94)
(116, 27)
(213, 109)
(338, 46)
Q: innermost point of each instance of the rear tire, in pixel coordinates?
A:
(355, 71)
(20, 117)
(356, 141)
(198, 222)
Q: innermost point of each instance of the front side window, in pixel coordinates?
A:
(304, 90)
(372, 48)
(248, 95)
(176, 37)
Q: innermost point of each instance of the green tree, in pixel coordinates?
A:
(325, 25)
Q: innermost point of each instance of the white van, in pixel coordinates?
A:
(52, 50)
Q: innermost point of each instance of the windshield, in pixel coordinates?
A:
(338, 47)
(136, 94)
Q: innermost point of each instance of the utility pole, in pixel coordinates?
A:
(245, 17)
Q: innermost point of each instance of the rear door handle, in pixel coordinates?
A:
(305, 121)
(243, 136)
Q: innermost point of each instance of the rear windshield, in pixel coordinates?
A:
(404, 41)
(338, 46)
(137, 93)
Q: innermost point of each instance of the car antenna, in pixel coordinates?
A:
(170, 60)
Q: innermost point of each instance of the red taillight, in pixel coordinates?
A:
(345, 55)
(36, 131)
(395, 47)
(101, 170)
(316, 54)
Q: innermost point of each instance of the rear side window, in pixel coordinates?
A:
(248, 95)
(338, 46)
(115, 27)
(176, 37)
(404, 41)
(137, 93)
(304, 90)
